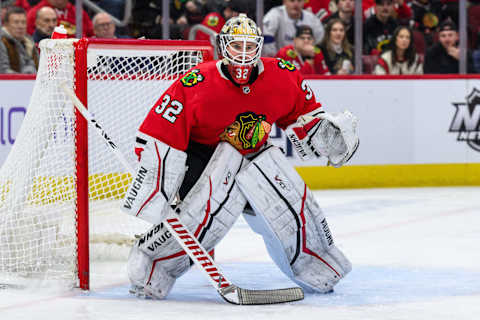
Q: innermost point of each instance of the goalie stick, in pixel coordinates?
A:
(190, 244)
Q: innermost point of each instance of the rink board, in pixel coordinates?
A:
(408, 132)
(413, 131)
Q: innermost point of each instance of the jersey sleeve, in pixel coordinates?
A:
(404, 11)
(318, 30)
(87, 24)
(381, 68)
(31, 14)
(270, 27)
(170, 119)
(213, 21)
(305, 100)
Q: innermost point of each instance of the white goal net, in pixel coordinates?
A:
(48, 182)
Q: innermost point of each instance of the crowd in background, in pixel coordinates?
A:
(399, 36)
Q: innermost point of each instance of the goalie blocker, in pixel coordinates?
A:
(319, 133)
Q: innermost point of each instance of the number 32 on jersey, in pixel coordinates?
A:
(169, 109)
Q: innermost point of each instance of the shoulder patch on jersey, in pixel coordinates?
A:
(248, 130)
(286, 65)
(291, 53)
(383, 44)
(316, 50)
(212, 21)
(192, 78)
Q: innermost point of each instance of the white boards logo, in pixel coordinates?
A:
(466, 121)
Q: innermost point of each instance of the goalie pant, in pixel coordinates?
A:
(295, 232)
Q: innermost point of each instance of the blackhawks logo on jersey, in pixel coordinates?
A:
(382, 45)
(192, 78)
(291, 53)
(286, 64)
(212, 21)
(248, 130)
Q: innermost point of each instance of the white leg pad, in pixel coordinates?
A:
(291, 222)
(159, 283)
(209, 211)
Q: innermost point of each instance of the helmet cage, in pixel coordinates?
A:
(243, 50)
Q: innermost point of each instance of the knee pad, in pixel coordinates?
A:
(215, 202)
(159, 282)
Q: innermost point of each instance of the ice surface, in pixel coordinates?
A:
(415, 255)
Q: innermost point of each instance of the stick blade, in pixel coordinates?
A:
(240, 296)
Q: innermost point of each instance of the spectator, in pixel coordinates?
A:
(368, 8)
(379, 28)
(221, 10)
(103, 26)
(279, 25)
(476, 60)
(345, 13)
(426, 14)
(336, 49)
(25, 4)
(4, 4)
(426, 18)
(402, 57)
(18, 53)
(65, 14)
(45, 22)
(401, 11)
(3, 10)
(320, 8)
(443, 56)
(303, 54)
(115, 8)
(146, 19)
(193, 13)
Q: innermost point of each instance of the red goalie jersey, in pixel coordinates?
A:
(206, 106)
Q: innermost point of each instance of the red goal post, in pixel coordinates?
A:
(60, 186)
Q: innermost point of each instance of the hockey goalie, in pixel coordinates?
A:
(203, 150)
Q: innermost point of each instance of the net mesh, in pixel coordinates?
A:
(38, 183)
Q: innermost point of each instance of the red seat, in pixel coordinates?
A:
(473, 22)
(369, 62)
(419, 41)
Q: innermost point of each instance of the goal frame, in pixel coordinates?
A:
(81, 129)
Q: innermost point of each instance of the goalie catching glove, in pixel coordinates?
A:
(320, 133)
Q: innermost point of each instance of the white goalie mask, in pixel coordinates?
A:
(240, 44)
